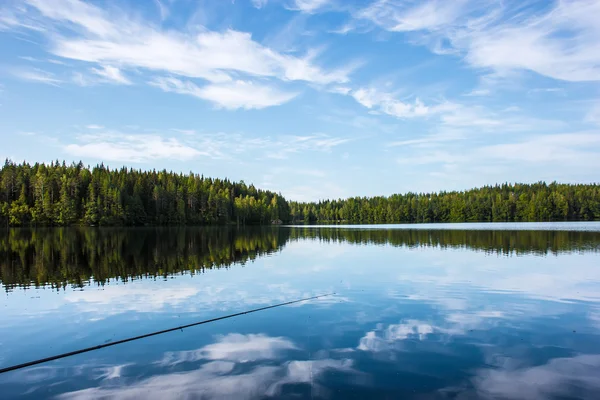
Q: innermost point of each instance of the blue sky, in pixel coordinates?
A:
(313, 98)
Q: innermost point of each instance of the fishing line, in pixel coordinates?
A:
(131, 339)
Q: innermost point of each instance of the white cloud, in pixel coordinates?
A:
(461, 116)
(82, 80)
(567, 149)
(309, 6)
(94, 126)
(223, 145)
(306, 371)
(412, 16)
(228, 95)
(112, 372)
(387, 104)
(286, 145)
(243, 94)
(579, 149)
(561, 42)
(559, 377)
(134, 147)
(547, 90)
(36, 75)
(449, 136)
(216, 379)
(340, 90)
(385, 339)
(116, 299)
(131, 148)
(452, 114)
(111, 74)
(481, 158)
(102, 37)
(29, 58)
(233, 347)
(57, 62)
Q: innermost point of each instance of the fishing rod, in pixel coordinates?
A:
(131, 339)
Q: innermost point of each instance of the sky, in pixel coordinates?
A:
(311, 98)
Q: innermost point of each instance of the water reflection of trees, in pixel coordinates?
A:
(58, 257)
(72, 256)
(498, 241)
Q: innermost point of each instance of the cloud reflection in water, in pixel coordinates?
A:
(224, 376)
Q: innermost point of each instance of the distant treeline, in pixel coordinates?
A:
(60, 194)
(499, 203)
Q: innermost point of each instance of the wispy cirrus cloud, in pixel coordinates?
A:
(111, 74)
(449, 113)
(119, 146)
(560, 41)
(105, 37)
(388, 104)
(114, 41)
(36, 75)
(234, 347)
(569, 149)
(228, 95)
(407, 16)
(309, 6)
(467, 117)
(528, 157)
(131, 148)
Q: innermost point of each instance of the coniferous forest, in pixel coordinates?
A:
(61, 194)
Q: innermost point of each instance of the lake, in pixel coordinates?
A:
(460, 311)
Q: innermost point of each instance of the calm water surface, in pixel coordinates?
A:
(466, 311)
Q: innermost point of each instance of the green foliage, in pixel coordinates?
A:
(499, 203)
(57, 194)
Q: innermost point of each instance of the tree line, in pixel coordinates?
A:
(59, 194)
(498, 203)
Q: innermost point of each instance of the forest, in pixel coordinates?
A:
(58, 194)
(500, 203)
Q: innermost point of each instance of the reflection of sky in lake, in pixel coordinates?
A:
(443, 323)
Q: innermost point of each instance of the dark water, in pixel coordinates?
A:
(474, 311)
